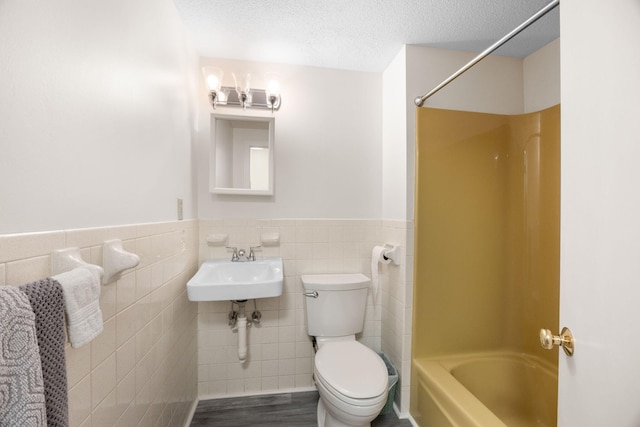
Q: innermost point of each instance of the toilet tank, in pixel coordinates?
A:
(340, 306)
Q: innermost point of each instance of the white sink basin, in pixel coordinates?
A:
(223, 280)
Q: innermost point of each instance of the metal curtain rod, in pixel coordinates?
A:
(419, 101)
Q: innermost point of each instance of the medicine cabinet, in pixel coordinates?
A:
(241, 159)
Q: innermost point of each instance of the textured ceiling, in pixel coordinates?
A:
(361, 35)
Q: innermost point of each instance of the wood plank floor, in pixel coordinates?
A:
(274, 410)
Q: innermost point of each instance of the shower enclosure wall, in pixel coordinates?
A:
(486, 268)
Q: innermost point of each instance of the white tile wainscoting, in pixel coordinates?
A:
(159, 352)
(142, 369)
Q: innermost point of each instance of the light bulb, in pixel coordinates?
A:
(273, 88)
(213, 77)
(243, 88)
(213, 82)
(242, 82)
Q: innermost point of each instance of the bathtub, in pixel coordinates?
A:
(484, 390)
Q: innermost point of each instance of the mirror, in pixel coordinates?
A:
(241, 159)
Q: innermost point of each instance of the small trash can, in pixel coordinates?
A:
(393, 382)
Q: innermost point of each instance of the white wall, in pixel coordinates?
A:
(353, 158)
(97, 108)
(394, 138)
(497, 84)
(494, 85)
(331, 161)
(328, 144)
(96, 113)
(542, 78)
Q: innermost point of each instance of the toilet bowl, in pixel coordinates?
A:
(352, 380)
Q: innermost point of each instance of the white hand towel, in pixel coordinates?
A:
(81, 291)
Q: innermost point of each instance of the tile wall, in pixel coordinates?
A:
(280, 351)
(142, 370)
(397, 305)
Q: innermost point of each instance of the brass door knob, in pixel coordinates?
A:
(564, 340)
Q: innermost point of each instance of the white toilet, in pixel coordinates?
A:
(352, 379)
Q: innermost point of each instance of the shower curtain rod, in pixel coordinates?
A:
(419, 101)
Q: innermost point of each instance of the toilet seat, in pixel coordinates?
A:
(352, 372)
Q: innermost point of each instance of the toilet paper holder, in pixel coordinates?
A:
(392, 253)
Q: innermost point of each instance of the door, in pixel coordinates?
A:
(600, 213)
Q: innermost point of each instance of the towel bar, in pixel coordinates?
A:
(64, 260)
(115, 259)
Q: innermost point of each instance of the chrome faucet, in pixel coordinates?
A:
(252, 254)
(234, 256)
(239, 254)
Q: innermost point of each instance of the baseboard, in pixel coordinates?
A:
(256, 393)
(412, 421)
(404, 416)
(192, 411)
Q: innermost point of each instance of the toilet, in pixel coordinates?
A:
(352, 379)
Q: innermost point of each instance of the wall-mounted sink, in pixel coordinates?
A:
(224, 280)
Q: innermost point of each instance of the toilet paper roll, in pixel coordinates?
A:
(377, 258)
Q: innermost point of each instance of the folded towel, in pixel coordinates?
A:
(47, 303)
(81, 290)
(21, 386)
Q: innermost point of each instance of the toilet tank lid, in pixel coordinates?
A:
(335, 282)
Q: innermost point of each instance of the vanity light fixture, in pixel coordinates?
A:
(241, 94)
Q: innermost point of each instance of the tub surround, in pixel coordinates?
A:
(489, 234)
(142, 368)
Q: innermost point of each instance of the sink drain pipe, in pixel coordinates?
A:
(242, 336)
(238, 322)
